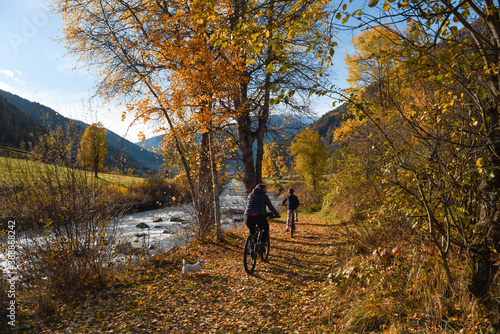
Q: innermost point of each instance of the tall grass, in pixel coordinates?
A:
(407, 293)
(389, 277)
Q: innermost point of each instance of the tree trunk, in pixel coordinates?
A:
(246, 139)
(489, 220)
(483, 268)
(215, 188)
(205, 210)
(96, 164)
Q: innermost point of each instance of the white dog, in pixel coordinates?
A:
(191, 268)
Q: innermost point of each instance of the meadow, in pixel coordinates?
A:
(15, 168)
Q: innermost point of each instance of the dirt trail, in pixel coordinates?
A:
(286, 295)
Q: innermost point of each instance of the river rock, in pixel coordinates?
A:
(142, 225)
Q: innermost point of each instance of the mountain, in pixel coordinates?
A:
(151, 144)
(281, 126)
(16, 127)
(284, 127)
(121, 152)
(328, 123)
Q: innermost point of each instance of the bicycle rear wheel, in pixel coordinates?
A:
(292, 226)
(249, 255)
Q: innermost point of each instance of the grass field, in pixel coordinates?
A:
(20, 169)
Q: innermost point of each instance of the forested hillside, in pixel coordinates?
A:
(328, 123)
(16, 127)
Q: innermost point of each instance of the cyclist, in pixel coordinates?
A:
(292, 203)
(255, 213)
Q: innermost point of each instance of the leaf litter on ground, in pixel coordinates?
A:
(285, 295)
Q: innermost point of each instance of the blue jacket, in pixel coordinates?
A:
(291, 202)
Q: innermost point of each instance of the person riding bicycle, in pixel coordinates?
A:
(255, 212)
(292, 203)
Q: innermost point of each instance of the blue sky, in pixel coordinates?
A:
(33, 65)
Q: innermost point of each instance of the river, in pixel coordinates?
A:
(161, 229)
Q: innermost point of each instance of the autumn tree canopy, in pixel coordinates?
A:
(196, 67)
(309, 156)
(93, 148)
(425, 90)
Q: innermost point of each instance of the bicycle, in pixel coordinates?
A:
(252, 249)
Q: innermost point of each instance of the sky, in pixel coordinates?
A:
(34, 66)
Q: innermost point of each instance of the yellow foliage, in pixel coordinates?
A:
(115, 188)
(93, 147)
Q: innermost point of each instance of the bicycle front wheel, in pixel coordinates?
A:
(249, 255)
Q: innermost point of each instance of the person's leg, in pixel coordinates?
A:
(288, 216)
(251, 223)
(264, 225)
(296, 215)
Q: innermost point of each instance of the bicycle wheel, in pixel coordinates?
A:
(292, 226)
(265, 254)
(249, 255)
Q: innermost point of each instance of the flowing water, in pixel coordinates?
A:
(161, 229)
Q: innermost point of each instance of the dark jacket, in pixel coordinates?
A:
(291, 202)
(256, 203)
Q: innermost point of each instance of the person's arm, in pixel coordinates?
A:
(270, 206)
(284, 201)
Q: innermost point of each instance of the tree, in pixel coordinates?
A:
(59, 146)
(198, 66)
(310, 156)
(279, 68)
(93, 148)
(449, 111)
(273, 161)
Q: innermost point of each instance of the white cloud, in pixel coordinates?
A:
(8, 88)
(9, 74)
